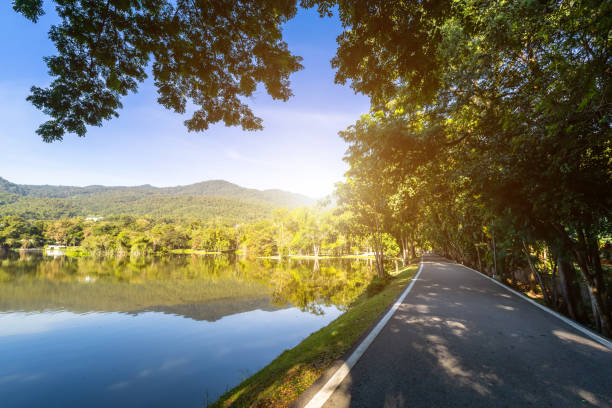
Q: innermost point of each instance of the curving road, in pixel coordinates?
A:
(460, 340)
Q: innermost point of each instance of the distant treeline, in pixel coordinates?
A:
(163, 205)
(302, 231)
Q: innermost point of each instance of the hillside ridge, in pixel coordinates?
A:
(216, 187)
(212, 199)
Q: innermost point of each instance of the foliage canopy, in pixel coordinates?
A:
(205, 53)
(511, 133)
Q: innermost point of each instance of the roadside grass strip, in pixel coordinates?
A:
(284, 379)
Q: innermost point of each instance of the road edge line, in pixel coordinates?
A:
(575, 325)
(335, 380)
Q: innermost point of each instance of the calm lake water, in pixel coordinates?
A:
(174, 331)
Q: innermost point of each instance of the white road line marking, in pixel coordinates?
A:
(330, 386)
(580, 328)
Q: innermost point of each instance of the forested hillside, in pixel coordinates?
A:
(216, 199)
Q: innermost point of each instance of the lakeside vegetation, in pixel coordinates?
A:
(306, 231)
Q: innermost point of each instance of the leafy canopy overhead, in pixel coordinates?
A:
(386, 45)
(209, 53)
(499, 119)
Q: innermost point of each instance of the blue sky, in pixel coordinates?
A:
(298, 150)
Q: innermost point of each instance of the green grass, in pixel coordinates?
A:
(291, 373)
(76, 251)
(322, 257)
(73, 251)
(189, 251)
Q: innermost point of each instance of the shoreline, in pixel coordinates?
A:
(79, 251)
(288, 376)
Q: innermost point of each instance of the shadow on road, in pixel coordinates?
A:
(460, 340)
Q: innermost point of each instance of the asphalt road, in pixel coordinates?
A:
(459, 340)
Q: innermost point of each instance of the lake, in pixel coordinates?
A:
(175, 331)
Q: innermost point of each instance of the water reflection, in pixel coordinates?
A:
(165, 331)
(176, 284)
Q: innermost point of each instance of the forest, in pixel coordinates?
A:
(213, 199)
(305, 231)
(489, 139)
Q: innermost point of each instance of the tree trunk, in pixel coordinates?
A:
(404, 243)
(532, 282)
(553, 283)
(378, 253)
(545, 292)
(494, 256)
(586, 252)
(565, 290)
(479, 262)
(570, 289)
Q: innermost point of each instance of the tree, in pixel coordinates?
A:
(167, 236)
(282, 236)
(509, 103)
(16, 232)
(385, 46)
(64, 231)
(367, 188)
(309, 234)
(206, 52)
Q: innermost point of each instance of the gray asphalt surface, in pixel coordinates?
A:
(459, 340)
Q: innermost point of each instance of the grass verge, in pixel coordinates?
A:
(188, 251)
(291, 373)
(73, 251)
(320, 257)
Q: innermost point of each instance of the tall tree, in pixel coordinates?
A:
(368, 187)
(511, 99)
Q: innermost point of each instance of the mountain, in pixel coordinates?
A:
(216, 188)
(205, 200)
(222, 188)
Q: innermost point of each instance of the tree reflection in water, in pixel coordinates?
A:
(29, 281)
